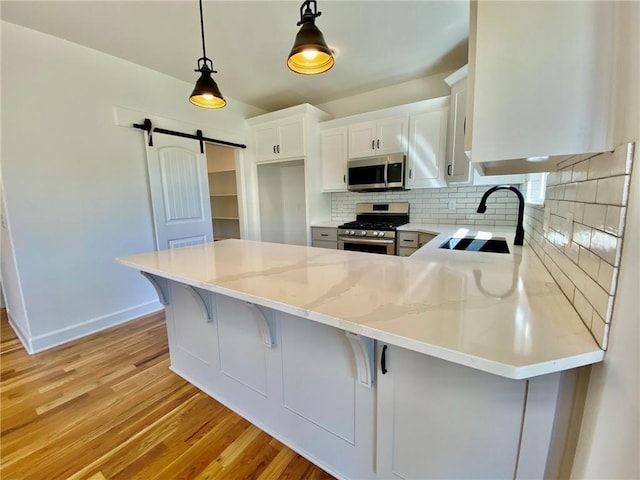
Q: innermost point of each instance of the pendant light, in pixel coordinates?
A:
(310, 54)
(206, 93)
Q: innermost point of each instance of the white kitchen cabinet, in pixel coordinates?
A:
(279, 140)
(540, 84)
(334, 152)
(427, 147)
(441, 420)
(458, 170)
(379, 137)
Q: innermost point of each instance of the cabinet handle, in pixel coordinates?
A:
(383, 360)
(278, 148)
(373, 144)
(410, 173)
(378, 144)
(449, 169)
(344, 179)
(274, 149)
(407, 240)
(324, 234)
(464, 126)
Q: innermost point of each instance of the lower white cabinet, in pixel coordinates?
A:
(441, 420)
(355, 411)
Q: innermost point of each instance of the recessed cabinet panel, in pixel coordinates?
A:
(318, 375)
(195, 336)
(427, 146)
(441, 420)
(242, 351)
(334, 159)
(458, 167)
(279, 140)
(380, 137)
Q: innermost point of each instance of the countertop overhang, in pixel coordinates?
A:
(499, 313)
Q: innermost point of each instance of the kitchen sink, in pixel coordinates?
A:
(493, 245)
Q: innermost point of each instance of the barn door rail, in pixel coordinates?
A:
(148, 127)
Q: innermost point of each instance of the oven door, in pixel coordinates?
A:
(384, 247)
(368, 174)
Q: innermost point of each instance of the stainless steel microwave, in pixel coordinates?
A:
(376, 174)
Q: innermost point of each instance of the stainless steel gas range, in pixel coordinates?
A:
(374, 229)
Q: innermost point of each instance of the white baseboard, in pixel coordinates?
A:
(58, 337)
(22, 336)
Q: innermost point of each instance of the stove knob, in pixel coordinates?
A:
(375, 234)
(351, 232)
(381, 234)
(363, 233)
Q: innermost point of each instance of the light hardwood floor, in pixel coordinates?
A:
(108, 407)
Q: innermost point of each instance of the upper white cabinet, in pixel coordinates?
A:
(378, 137)
(541, 78)
(279, 140)
(334, 153)
(457, 164)
(427, 147)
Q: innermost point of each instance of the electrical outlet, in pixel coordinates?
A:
(452, 204)
(569, 228)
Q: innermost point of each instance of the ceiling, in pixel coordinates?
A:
(377, 43)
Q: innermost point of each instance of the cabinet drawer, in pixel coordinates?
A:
(324, 234)
(426, 238)
(408, 239)
(406, 251)
(325, 244)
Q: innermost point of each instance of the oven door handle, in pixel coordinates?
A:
(367, 241)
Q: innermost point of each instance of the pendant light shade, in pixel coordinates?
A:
(206, 93)
(310, 54)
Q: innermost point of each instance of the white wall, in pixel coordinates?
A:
(75, 184)
(408, 92)
(609, 442)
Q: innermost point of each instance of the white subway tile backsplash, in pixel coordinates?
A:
(600, 331)
(432, 205)
(587, 191)
(613, 190)
(594, 215)
(589, 262)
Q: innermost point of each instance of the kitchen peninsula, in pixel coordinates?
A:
(439, 365)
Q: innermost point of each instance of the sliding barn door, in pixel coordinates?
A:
(179, 192)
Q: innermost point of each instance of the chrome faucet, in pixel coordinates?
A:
(519, 239)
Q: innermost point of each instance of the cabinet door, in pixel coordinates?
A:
(458, 167)
(266, 141)
(291, 139)
(522, 113)
(362, 140)
(334, 160)
(391, 135)
(427, 144)
(441, 420)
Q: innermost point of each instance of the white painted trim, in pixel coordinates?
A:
(24, 339)
(73, 332)
(126, 117)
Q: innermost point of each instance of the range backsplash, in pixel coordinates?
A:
(432, 205)
(583, 255)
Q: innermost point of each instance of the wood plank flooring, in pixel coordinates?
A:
(108, 407)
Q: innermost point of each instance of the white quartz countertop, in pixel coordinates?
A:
(500, 313)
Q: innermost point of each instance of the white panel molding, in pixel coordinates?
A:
(363, 351)
(205, 300)
(160, 285)
(58, 337)
(263, 324)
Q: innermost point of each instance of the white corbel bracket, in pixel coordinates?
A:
(204, 299)
(363, 350)
(263, 324)
(160, 284)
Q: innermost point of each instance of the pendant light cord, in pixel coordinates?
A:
(204, 52)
